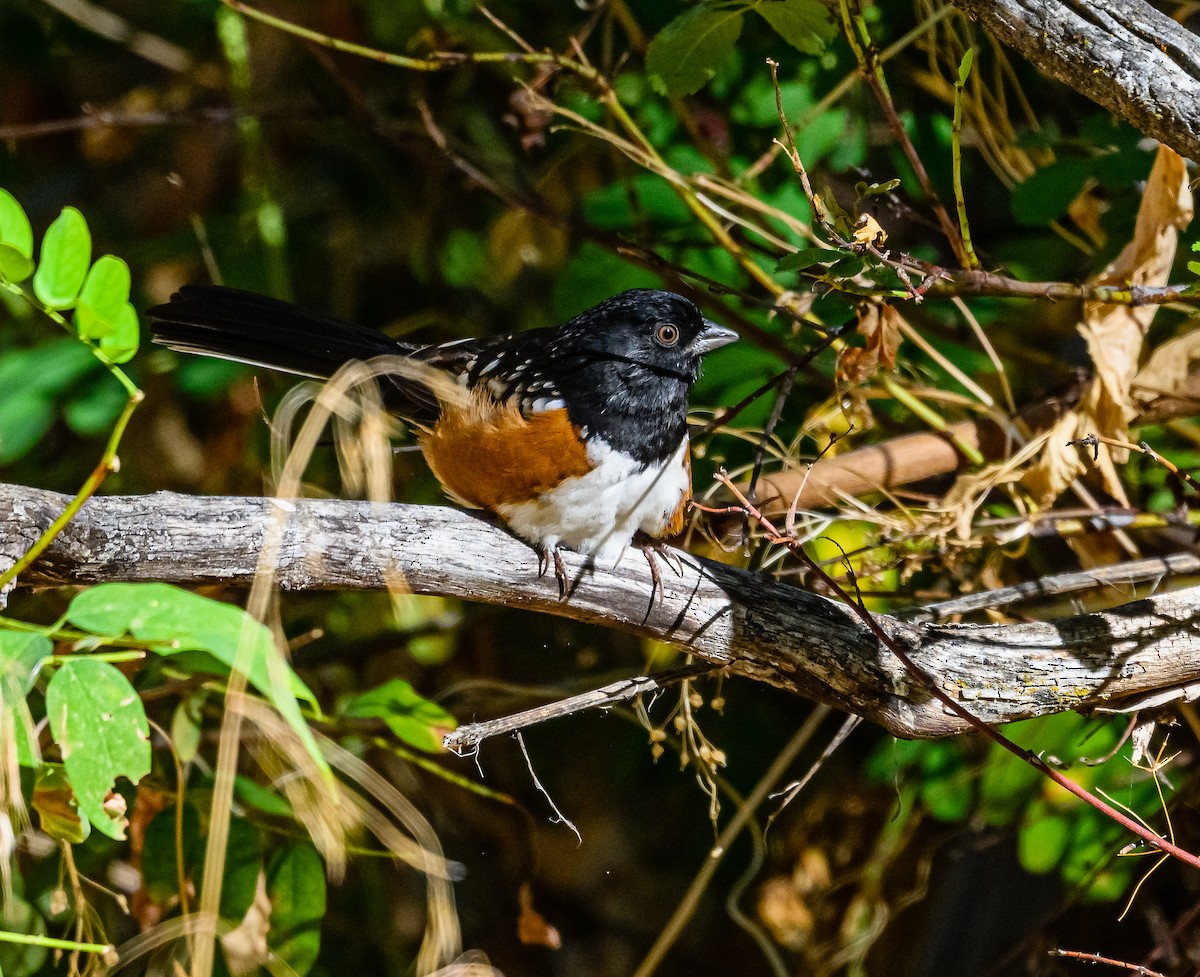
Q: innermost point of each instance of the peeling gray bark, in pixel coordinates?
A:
(1135, 61)
(759, 628)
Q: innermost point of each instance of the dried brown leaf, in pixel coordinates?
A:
(1114, 333)
(1058, 464)
(1169, 383)
(880, 326)
(532, 928)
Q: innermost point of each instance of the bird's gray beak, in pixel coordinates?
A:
(713, 337)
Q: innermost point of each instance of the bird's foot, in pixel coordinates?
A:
(552, 554)
(652, 549)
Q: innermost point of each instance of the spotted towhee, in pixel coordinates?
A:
(574, 435)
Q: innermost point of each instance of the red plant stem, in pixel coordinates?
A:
(777, 538)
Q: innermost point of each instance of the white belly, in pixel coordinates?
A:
(598, 513)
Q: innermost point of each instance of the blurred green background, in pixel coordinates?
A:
(443, 204)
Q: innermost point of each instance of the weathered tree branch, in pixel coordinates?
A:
(1135, 61)
(757, 627)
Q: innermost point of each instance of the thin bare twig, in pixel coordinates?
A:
(1096, 958)
(1130, 572)
(466, 738)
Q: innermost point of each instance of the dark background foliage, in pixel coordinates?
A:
(318, 176)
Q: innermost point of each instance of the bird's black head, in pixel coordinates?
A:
(657, 331)
(625, 369)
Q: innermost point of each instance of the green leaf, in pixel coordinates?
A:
(122, 343)
(865, 189)
(947, 798)
(613, 206)
(16, 240)
(106, 288)
(1006, 786)
(243, 863)
(104, 296)
(1045, 196)
(186, 726)
(847, 267)
(162, 613)
(96, 408)
(1194, 267)
(688, 51)
(21, 657)
(15, 230)
(296, 889)
(66, 255)
(464, 259)
(1043, 839)
(14, 266)
(265, 800)
(161, 850)
(804, 24)
(104, 312)
(18, 959)
(25, 416)
(806, 258)
(56, 805)
(964, 66)
(49, 368)
(410, 716)
(100, 726)
(593, 275)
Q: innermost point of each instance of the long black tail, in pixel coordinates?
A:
(235, 325)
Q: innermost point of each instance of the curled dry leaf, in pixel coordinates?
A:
(880, 325)
(971, 489)
(1114, 334)
(1169, 384)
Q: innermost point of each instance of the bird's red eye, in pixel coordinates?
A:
(667, 335)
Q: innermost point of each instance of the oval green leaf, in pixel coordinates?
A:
(185, 621)
(964, 66)
(804, 24)
(24, 418)
(14, 225)
(122, 343)
(686, 53)
(103, 299)
(1043, 840)
(806, 258)
(100, 726)
(296, 889)
(14, 266)
(106, 287)
(95, 409)
(66, 255)
(410, 716)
